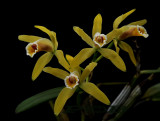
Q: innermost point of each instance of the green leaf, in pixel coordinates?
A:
(38, 99)
(153, 93)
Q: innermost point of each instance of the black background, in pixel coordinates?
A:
(60, 17)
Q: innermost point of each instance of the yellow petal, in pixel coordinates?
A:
(93, 90)
(40, 64)
(60, 56)
(54, 39)
(116, 45)
(28, 38)
(114, 58)
(69, 58)
(140, 22)
(59, 73)
(113, 34)
(97, 25)
(44, 29)
(76, 70)
(119, 19)
(82, 56)
(127, 48)
(51, 34)
(62, 98)
(87, 71)
(84, 36)
(42, 44)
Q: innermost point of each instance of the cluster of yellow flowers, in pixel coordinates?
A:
(75, 76)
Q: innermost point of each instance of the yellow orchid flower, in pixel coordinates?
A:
(99, 40)
(73, 78)
(130, 30)
(37, 44)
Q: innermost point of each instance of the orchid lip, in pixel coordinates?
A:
(100, 39)
(31, 49)
(71, 81)
(42, 44)
(142, 31)
(133, 30)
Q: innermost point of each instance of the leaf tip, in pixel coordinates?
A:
(16, 111)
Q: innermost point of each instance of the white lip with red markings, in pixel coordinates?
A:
(71, 81)
(100, 39)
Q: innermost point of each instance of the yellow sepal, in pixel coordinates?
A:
(59, 73)
(113, 35)
(140, 22)
(119, 19)
(83, 55)
(114, 58)
(69, 58)
(97, 25)
(87, 71)
(116, 45)
(40, 64)
(51, 34)
(28, 38)
(84, 36)
(60, 56)
(93, 90)
(127, 48)
(62, 98)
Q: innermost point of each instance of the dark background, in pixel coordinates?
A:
(61, 17)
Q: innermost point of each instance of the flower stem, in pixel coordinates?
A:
(51, 105)
(99, 58)
(150, 71)
(110, 45)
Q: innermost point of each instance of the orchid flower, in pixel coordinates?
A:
(130, 30)
(37, 44)
(98, 41)
(73, 78)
